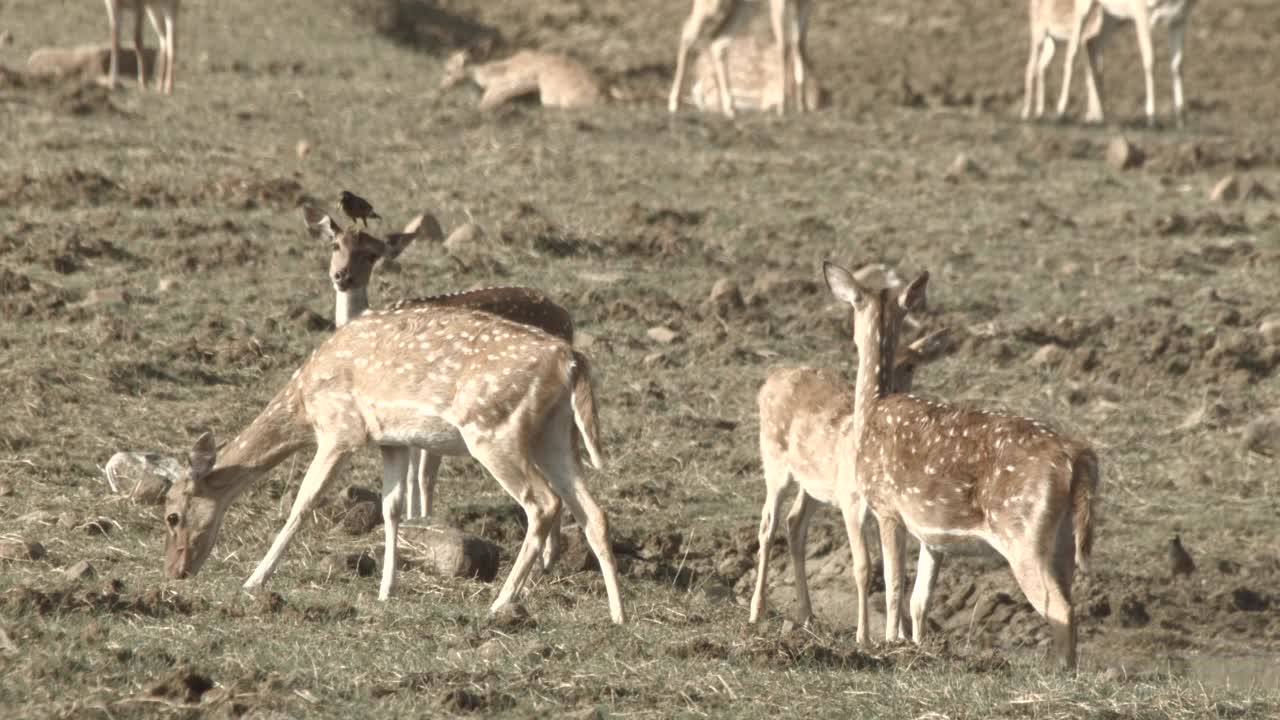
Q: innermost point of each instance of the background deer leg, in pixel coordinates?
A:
(892, 541)
(395, 464)
(855, 516)
(775, 479)
(797, 533)
(926, 576)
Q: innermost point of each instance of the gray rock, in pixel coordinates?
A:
(450, 553)
(146, 477)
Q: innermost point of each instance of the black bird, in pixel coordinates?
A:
(1180, 561)
(357, 208)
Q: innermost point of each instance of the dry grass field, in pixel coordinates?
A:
(156, 282)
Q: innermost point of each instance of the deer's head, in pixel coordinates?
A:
(193, 512)
(878, 313)
(356, 252)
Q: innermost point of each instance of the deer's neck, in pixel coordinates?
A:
(876, 353)
(279, 431)
(349, 304)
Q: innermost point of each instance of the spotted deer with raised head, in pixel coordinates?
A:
(354, 256)
(449, 380)
(947, 475)
(803, 413)
(1146, 15)
(788, 22)
(163, 15)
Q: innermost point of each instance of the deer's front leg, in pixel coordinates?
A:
(139, 56)
(926, 576)
(319, 475)
(113, 64)
(1082, 8)
(688, 36)
(855, 515)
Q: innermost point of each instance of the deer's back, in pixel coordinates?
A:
(803, 414)
(523, 305)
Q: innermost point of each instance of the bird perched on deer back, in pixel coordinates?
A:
(1180, 562)
(357, 208)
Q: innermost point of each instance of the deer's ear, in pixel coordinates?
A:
(319, 224)
(426, 227)
(203, 455)
(396, 243)
(914, 296)
(931, 346)
(842, 284)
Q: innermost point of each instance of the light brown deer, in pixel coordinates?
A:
(164, 18)
(788, 22)
(354, 256)
(802, 412)
(453, 381)
(1146, 16)
(752, 76)
(949, 475)
(559, 80)
(1053, 21)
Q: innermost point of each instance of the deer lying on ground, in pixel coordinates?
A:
(788, 22)
(1146, 16)
(801, 411)
(163, 15)
(752, 78)
(1053, 21)
(947, 475)
(450, 380)
(354, 256)
(559, 80)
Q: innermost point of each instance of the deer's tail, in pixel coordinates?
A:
(1084, 486)
(584, 408)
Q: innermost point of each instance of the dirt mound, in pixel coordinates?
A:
(183, 685)
(253, 192)
(62, 189)
(107, 597)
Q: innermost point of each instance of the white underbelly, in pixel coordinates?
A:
(439, 438)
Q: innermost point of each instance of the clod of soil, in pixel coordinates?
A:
(362, 518)
(662, 334)
(1248, 600)
(82, 570)
(1262, 436)
(725, 298)
(1124, 155)
(1133, 613)
(964, 167)
(17, 549)
(268, 603)
(467, 700)
(1225, 190)
(361, 564)
(450, 553)
(183, 685)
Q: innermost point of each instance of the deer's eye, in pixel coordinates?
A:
(172, 519)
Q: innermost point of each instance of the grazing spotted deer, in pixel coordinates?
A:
(354, 256)
(788, 21)
(802, 413)
(1146, 16)
(752, 78)
(948, 475)
(1053, 21)
(450, 380)
(559, 80)
(164, 18)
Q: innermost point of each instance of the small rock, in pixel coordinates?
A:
(105, 296)
(340, 563)
(1133, 613)
(1262, 436)
(1049, 356)
(1225, 190)
(1248, 600)
(303, 149)
(463, 237)
(6, 38)
(268, 603)
(98, 526)
(654, 359)
(584, 340)
(355, 494)
(725, 298)
(167, 284)
(1269, 329)
(7, 645)
(14, 549)
(6, 489)
(964, 166)
(662, 334)
(1124, 155)
(449, 552)
(81, 571)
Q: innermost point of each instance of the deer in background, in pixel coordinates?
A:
(559, 80)
(802, 412)
(453, 381)
(355, 254)
(948, 475)
(163, 15)
(752, 79)
(1146, 16)
(788, 21)
(1052, 21)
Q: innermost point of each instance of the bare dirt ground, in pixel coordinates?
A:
(156, 282)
